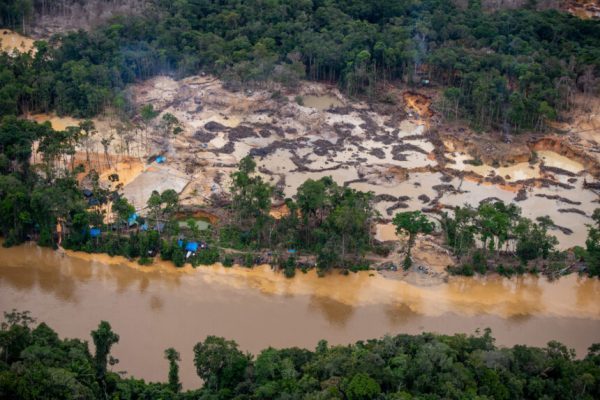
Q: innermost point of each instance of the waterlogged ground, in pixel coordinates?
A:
(316, 132)
(156, 307)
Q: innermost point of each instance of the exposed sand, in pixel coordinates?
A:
(11, 41)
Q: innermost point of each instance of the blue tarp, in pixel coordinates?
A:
(144, 227)
(191, 246)
(291, 251)
(132, 219)
(160, 159)
(180, 243)
(95, 232)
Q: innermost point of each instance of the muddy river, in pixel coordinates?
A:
(155, 307)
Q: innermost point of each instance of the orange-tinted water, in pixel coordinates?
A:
(156, 307)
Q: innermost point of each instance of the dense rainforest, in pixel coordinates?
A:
(511, 70)
(36, 364)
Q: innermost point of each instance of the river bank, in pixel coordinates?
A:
(153, 308)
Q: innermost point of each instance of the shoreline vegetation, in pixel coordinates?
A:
(327, 227)
(36, 364)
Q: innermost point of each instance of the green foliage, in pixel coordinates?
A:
(219, 363)
(289, 267)
(502, 69)
(104, 338)
(362, 387)
(592, 244)
(207, 256)
(173, 357)
(411, 223)
(501, 231)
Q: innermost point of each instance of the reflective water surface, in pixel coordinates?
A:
(156, 307)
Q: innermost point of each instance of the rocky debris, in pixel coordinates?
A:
(424, 198)
(521, 195)
(213, 126)
(564, 230)
(377, 153)
(228, 148)
(490, 200)
(369, 125)
(495, 179)
(399, 205)
(546, 183)
(384, 197)
(203, 136)
(241, 132)
(556, 170)
(323, 147)
(572, 210)
(444, 188)
(591, 185)
(408, 147)
(264, 133)
(268, 129)
(559, 198)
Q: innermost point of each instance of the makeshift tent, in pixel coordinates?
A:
(95, 232)
(132, 219)
(191, 246)
(160, 159)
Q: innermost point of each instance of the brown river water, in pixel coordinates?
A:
(156, 307)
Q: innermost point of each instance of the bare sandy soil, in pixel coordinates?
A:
(402, 154)
(11, 41)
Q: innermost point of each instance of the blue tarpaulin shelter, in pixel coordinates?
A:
(132, 219)
(160, 159)
(191, 246)
(95, 232)
(144, 227)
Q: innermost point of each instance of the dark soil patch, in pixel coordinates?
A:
(572, 210)
(521, 195)
(378, 153)
(397, 206)
(556, 170)
(213, 126)
(204, 136)
(559, 198)
(241, 132)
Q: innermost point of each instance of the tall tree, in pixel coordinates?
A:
(411, 223)
(173, 357)
(104, 338)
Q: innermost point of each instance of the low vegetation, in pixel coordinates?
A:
(36, 364)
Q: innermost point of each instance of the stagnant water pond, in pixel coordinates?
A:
(156, 307)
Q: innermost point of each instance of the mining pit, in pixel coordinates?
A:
(403, 154)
